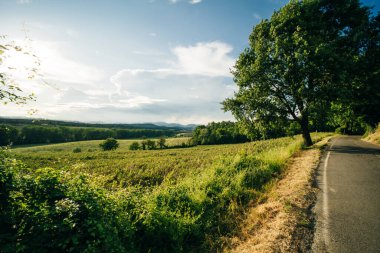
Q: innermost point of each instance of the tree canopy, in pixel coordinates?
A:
(218, 133)
(308, 53)
(109, 144)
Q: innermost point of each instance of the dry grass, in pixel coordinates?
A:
(282, 223)
(374, 137)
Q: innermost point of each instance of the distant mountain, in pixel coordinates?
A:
(176, 125)
(46, 122)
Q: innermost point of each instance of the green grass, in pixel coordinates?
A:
(169, 200)
(88, 145)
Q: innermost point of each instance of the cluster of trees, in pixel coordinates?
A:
(334, 117)
(218, 133)
(227, 132)
(50, 134)
(310, 61)
(148, 144)
(159, 144)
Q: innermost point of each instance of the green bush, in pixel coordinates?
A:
(109, 144)
(134, 146)
(161, 143)
(148, 144)
(77, 150)
(49, 211)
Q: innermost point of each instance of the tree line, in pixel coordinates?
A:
(58, 134)
(334, 118)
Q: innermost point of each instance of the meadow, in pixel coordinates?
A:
(170, 200)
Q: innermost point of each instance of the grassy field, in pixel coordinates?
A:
(143, 167)
(171, 200)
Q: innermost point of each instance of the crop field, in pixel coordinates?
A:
(142, 167)
(170, 200)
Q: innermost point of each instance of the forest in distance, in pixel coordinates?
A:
(28, 132)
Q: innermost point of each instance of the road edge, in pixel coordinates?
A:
(285, 221)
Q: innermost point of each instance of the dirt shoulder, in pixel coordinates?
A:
(284, 222)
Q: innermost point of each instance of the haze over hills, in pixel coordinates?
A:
(145, 125)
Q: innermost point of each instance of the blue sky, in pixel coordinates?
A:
(132, 60)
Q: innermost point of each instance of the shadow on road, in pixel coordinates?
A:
(355, 150)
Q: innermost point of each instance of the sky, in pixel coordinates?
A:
(130, 61)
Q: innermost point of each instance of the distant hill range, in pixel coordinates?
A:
(47, 122)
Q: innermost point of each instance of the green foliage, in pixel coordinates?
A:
(344, 120)
(161, 143)
(307, 53)
(109, 144)
(187, 206)
(31, 134)
(8, 135)
(134, 146)
(148, 145)
(77, 150)
(218, 133)
(50, 211)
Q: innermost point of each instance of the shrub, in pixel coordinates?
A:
(77, 150)
(109, 144)
(148, 144)
(161, 143)
(134, 146)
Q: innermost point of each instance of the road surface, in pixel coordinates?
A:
(348, 205)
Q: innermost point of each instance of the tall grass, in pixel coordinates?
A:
(187, 211)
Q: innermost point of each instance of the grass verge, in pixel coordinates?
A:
(50, 209)
(283, 222)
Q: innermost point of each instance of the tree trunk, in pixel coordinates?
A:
(305, 131)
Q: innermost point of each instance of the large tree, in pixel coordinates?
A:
(307, 52)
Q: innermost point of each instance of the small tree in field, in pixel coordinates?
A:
(150, 144)
(109, 144)
(161, 143)
(134, 146)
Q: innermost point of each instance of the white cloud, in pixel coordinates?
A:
(189, 1)
(189, 89)
(38, 25)
(148, 52)
(210, 59)
(55, 66)
(195, 1)
(72, 33)
(23, 1)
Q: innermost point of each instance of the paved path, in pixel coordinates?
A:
(348, 205)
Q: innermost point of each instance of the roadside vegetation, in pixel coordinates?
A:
(146, 200)
(373, 135)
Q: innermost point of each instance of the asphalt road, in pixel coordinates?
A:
(348, 205)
